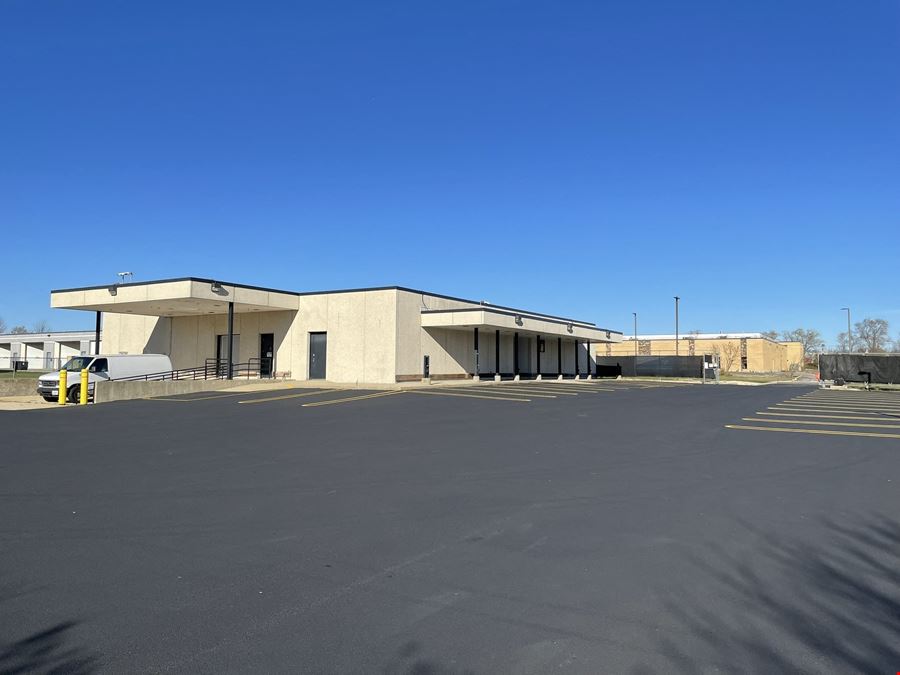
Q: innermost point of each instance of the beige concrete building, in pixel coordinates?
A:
(44, 351)
(747, 352)
(369, 335)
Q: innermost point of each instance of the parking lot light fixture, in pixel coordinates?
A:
(634, 314)
(676, 324)
(849, 334)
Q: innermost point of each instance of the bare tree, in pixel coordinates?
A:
(2, 325)
(810, 338)
(18, 330)
(40, 326)
(842, 345)
(730, 352)
(872, 334)
(771, 334)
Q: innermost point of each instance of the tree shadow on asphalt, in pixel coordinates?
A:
(409, 661)
(796, 607)
(45, 651)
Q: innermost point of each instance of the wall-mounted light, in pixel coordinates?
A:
(518, 319)
(215, 287)
(113, 290)
(570, 327)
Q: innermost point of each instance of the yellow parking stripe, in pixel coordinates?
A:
(855, 404)
(287, 396)
(826, 416)
(838, 411)
(847, 401)
(824, 423)
(824, 406)
(528, 389)
(825, 432)
(852, 400)
(521, 387)
(347, 399)
(858, 394)
(512, 392)
(196, 398)
(451, 393)
(572, 389)
(867, 406)
(599, 386)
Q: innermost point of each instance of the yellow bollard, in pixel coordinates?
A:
(84, 387)
(62, 387)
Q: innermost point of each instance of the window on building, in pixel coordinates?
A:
(743, 363)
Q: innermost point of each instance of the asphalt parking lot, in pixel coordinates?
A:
(528, 528)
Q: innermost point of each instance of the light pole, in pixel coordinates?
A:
(635, 334)
(676, 324)
(849, 336)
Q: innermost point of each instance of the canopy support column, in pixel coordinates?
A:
(475, 375)
(516, 355)
(230, 347)
(577, 367)
(559, 358)
(97, 333)
(587, 354)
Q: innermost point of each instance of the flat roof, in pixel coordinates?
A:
(514, 322)
(704, 336)
(305, 293)
(48, 334)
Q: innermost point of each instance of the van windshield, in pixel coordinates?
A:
(77, 364)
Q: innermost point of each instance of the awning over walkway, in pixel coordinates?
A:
(512, 322)
(174, 297)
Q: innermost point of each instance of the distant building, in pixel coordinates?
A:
(44, 351)
(738, 352)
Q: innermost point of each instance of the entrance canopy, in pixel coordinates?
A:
(174, 297)
(522, 323)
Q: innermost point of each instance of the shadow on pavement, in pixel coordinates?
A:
(798, 607)
(47, 651)
(409, 661)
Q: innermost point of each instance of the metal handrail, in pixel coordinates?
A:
(212, 369)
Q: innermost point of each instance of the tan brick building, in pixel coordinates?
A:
(738, 352)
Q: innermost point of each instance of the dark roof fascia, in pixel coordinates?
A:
(343, 290)
(171, 281)
(530, 315)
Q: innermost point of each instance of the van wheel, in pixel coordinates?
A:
(74, 393)
(51, 399)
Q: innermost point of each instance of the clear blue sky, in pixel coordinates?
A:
(581, 158)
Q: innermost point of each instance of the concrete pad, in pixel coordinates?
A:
(33, 402)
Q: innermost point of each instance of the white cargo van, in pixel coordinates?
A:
(101, 368)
